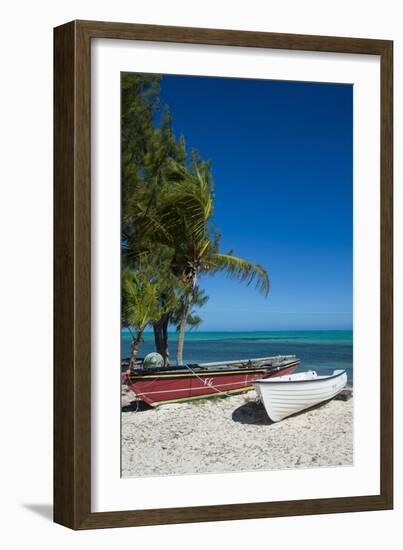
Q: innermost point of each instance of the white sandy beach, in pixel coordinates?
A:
(231, 434)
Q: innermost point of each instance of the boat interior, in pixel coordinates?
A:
(264, 363)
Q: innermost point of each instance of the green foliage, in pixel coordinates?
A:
(139, 103)
(146, 296)
(241, 270)
(139, 300)
(168, 239)
(183, 223)
(193, 320)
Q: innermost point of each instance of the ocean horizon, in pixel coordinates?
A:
(321, 350)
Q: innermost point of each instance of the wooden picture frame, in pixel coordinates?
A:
(72, 270)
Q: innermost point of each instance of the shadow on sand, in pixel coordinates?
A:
(251, 413)
(136, 406)
(255, 413)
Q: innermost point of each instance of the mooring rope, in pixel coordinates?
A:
(208, 385)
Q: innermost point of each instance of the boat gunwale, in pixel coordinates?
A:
(234, 362)
(317, 379)
(174, 373)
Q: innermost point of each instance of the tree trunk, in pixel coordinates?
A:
(183, 323)
(161, 337)
(165, 336)
(134, 349)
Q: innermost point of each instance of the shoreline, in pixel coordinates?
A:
(232, 434)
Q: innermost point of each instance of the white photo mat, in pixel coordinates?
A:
(109, 491)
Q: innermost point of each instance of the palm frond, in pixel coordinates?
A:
(242, 270)
(139, 300)
(188, 202)
(157, 231)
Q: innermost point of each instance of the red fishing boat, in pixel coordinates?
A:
(157, 386)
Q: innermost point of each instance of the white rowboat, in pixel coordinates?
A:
(283, 396)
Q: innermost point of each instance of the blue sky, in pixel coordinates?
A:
(282, 166)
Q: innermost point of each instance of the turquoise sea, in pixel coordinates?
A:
(320, 350)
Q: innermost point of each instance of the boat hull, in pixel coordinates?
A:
(285, 398)
(160, 388)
